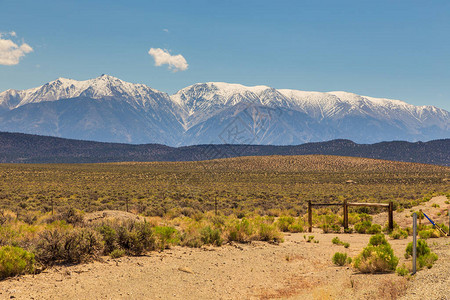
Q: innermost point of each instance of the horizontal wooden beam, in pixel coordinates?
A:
(369, 204)
(326, 204)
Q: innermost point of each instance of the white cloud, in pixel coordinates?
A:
(163, 57)
(166, 30)
(10, 52)
(11, 33)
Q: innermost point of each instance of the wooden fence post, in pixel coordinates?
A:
(414, 254)
(310, 215)
(345, 215)
(420, 217)
(215, 205)
(391, 216)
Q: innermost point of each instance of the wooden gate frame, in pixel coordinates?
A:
(345, 205)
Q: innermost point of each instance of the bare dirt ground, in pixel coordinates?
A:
(110, 214)
(294, 269)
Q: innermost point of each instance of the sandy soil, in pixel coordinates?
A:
(294, 269)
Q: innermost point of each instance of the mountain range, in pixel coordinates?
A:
(107, 109)
(26, 148)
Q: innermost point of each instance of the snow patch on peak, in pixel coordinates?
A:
(224, 88)
(237, 88)
(215, 93)
(347, 96)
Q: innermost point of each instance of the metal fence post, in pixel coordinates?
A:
(414, 254)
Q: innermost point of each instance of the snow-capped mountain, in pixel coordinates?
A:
(109, 109)
(102, 87)
(104, 108)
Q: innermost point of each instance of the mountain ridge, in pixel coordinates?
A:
(201, 112)
(26, 148)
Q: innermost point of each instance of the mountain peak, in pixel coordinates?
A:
(103, 86)
(60, 80)
(106, 77)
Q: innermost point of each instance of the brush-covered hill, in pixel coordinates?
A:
(25, 148)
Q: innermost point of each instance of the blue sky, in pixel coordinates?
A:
(392, 49)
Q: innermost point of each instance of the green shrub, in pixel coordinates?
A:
(135, 237)
(211, 236)
(296, 228)
(72, 216)
(325, 228)
(198, 216)
(386, 228)
(68, 246)
(398, 233)
(9, 236)
(269, 233)
(191, 236)
(285, 222)
(363, 226)
(337, 241)
(365, 217)
(49, 249)
(309, 239)
(425, 258)
(374, 229)
(421, 248)
(353, 218)
(87, 245)
(218, 220)
(402, 271)
(109, 236)
(378, 239)
(167, 236)
(409, 230)
(240, 231)
(341, 259)
(117, 253)
(188, 211)
(15, 261)
(330, 223)
(429, 233)
(336, 228)
(377, 257)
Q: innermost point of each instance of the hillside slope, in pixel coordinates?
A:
(25, 148)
